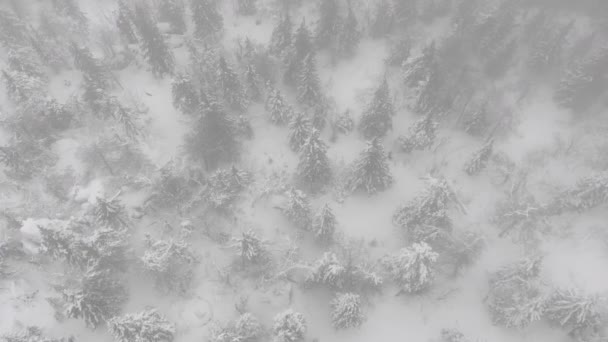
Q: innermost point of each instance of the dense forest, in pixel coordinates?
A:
(303, 170)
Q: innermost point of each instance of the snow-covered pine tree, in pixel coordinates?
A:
(328, 271)
(346, 311)
(174, 12)
(425, 216)
(31, 334)
(289, 326)
(302, 41)
(417, 70)
(126, 118)
(224, 186)
(98, 297)
(96, 80)
(250, 247)
(309, 85)
(344, 123)
(421, 135)
(253, 83)
(153, 44)
(371, 171)
(343, 276)
(294, 57)
(297, 209)
(282, 36)
(377, 119)
(144, 326)
(328, 24)
(207, 18)
(383, 21)
(106, 248)
(213, 139)
(314, 171)
(171, 189)
(124, 22)
(479, 159)
(278, 108)
(171, 265)
(575, 311)
(246, 328)
(299, 131)
(185, 94)
(230, 86)
(348, 35)
(110, 213)
(65, 244)
(413, 268)
(324, 225)
(246, 7)
(588, 193)
(515, 299)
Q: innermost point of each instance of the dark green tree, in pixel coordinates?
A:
(207, 18)
(213, 139)
(152, 42)
(378, 117)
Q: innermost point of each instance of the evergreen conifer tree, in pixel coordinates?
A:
(383, 20)
(324, 225)
(413, 268)
(479, 159)
(314, 171)
(349, 35)
(173, 12)
(278, 108)
(207, 18)
(297, 209)
(289, 326)
(377, 119)
(421, 136)
(282, 36)
(299, 130)
(98, 297)
(230, 86)
(294, 57)
(213, 139)
(153, 44)
(253, 83)
(346, 311)
(144, 326)
(124, 22)
(371, 172)
(328, 24)
(309, 87)
(185, 95)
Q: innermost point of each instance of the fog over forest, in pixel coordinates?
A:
(303, 170)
